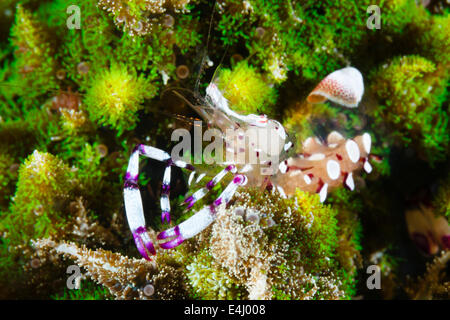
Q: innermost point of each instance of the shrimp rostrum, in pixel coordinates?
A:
(258, 148)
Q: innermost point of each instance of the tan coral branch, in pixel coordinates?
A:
(124, 277)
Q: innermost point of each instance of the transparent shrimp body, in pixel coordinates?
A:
(255, 155)
(255, 144)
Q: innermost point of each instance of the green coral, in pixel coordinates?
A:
(442, 198)
(318, 241)
(116, 95)
(44, 184)
(34, 57)
(209, 281)
(246, 90)
(305, 37)
(39, 209)
(139, 17)
(399, 14)
(349, 233)
(309, 234)
(8, 177)
(434, 40)
(33, 130)
(88, 291)
(411, 94)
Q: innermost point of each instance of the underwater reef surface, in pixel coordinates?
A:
(83, 82)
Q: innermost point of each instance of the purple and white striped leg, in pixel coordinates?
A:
(202, 219)
(135, 217)
(132, 195)
(165, 202)
(191, 200)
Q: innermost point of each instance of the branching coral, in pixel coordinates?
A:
(266, 246)
(34, 53)
(43, 187)
(435, 283)
(209, 280)
(442, 199)
(412, 92)
(68, 104)
(86, 230)
(238, 250)
(44, 206)
(124, 277)
(139, 16)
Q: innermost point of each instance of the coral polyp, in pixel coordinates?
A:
(116, 95)
(229, 150)
(246, 90)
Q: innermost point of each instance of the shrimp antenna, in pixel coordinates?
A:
(220, 64)
(183, 98)
(175, 88)
(202, 63)
(198, 108)
(176, 116)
